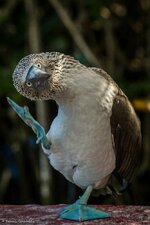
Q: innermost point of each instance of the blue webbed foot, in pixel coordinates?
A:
(24, 114)
(79, 211)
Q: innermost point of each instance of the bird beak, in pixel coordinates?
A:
(37, 78)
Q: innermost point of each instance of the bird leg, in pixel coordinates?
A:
(79, 211)
(24, 114)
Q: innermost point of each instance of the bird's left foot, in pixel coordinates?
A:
(79, 211)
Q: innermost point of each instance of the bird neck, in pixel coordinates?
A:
(86, 90)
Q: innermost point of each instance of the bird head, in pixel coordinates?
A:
(42, 76)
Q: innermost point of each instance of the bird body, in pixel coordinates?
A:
(96, 130)
(80, 136)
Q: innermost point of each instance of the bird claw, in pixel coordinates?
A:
(24, 114)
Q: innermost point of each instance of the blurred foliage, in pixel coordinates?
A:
(117, 32)
(129, 37)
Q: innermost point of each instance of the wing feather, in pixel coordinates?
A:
(125, 128)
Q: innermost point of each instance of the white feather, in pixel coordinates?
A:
(82, 148)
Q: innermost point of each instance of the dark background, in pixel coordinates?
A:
(113, 35)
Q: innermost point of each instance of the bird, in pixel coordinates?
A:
(96, 132)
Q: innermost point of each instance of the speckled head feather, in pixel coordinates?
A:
(55, 64)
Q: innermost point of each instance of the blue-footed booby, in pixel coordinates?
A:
(96, 131)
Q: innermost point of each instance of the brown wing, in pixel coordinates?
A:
(125, 128)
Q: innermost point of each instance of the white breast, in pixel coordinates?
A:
(81, 138)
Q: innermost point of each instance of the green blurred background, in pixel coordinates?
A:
(113, 35)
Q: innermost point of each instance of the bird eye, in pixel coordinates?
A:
(29, 84)
(38, 65)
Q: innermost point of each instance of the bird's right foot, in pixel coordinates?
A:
(24, 114)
